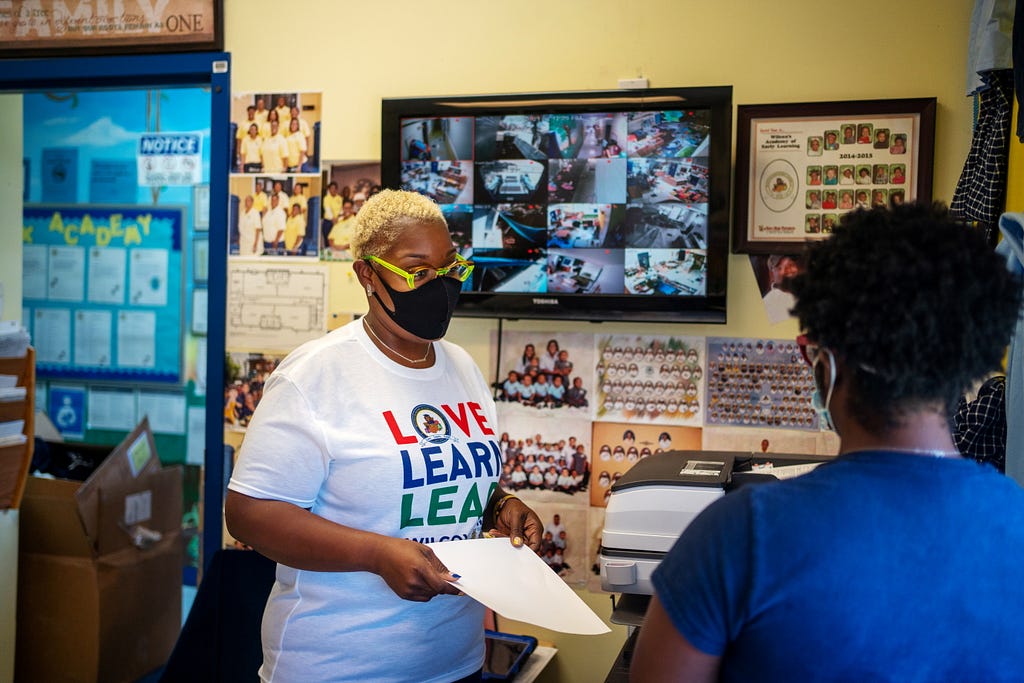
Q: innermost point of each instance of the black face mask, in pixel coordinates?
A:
(424, 311)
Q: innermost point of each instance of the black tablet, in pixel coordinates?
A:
(505, 654)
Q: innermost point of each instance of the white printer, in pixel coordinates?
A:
(659, 496)
(650, 506)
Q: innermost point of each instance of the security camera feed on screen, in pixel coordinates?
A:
(571, 203)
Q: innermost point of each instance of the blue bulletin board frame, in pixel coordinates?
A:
(128, 228)
(212, 69)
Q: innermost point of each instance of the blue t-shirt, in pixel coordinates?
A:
(876, 566)
(512, 389)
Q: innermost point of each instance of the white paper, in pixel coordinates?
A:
(148, 277)
(136, 339)
(516, 584)
(52, 333)
(11, 427)
(13, 393)
(107, 268)
(199, 311)
(93, 338)
(34, 260)
(14, 339)
(195, 443)
(275, 306)
(111, 409)
(166, 412)
(66, 275)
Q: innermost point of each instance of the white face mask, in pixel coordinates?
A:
(821, 406)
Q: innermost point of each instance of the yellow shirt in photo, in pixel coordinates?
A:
(294, 231)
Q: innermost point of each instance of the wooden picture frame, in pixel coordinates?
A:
(800, 167)
(43, 28)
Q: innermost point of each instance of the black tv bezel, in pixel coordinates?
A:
(710, 308)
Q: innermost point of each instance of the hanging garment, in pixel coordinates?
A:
(981, 190)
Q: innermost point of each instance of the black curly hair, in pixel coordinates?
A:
(914, 302)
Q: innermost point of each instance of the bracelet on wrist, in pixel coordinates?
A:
(501, 503)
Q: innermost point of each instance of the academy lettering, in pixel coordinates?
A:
(103, 230)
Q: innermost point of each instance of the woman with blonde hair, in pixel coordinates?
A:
(369, 443)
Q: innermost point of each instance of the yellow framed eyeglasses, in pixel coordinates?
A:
(460, 269)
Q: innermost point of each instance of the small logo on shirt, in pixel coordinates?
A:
(431, 424)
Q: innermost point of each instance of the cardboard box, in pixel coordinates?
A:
(92, 604)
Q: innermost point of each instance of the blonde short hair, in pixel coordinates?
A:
(385, 215)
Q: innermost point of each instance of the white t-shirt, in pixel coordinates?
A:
(554, 528)
(547, 361)
(364, 442)
(249, 224)
(274, 222)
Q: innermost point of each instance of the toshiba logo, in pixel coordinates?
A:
(546, 302)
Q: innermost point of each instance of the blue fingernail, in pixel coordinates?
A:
(456, 577)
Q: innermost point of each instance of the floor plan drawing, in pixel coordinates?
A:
(274, 305)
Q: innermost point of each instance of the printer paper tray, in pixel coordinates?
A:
(628, 571)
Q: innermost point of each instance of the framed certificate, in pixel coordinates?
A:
(800, 167)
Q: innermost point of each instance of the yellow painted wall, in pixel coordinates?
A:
(11, 185)
(783, 51)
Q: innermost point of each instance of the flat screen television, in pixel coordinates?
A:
(585, 205)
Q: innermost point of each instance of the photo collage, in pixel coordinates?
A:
(577, 411)
(275, 184)
(615, 203)
(857, 165)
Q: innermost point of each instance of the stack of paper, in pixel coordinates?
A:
(14, 339)
(11, 433)
(9, 391)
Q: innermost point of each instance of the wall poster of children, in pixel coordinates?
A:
(650, 379)
(547, 372)
(547, 463)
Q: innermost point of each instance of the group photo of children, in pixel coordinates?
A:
(534, 463)
(548, 373)
(618, 446)
(650, 379)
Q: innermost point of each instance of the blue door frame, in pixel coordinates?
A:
(198, 69)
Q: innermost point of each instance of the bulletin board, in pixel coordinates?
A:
(103, 291)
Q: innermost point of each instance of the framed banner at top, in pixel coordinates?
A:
(800, 167)
(38, 28)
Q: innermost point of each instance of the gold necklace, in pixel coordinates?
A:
(373, 334)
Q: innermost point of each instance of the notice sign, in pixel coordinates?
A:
(66, 24)
(170, 159)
